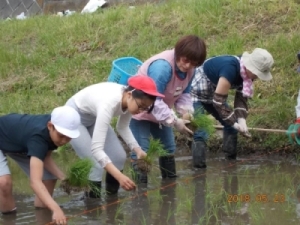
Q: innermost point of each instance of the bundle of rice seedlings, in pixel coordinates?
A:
(78, 176)
(155, 150)
(201, 121)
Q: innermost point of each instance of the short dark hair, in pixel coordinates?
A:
(192, 47)
(141, 95)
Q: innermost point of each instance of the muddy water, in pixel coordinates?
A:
(252, 191)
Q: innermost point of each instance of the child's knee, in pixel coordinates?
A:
(5, 184)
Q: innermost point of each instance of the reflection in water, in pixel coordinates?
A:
(196, 197)
(140, 206)
(9, 219)
(236, 206)
(198, 210)
(43, 216)
(114, 211)
(168, 205)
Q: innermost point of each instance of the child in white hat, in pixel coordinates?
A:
(210, 88)
(29, 140)
(97, 105)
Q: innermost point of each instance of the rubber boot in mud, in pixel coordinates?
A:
(111, 184)
(199, 154)
(137, 175)
(95, 191)
(167, 166)
(230, 145)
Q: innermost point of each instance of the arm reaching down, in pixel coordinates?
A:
(219, 101)
(51, 166)
(104, 116)
(184, 104)
(36, 174)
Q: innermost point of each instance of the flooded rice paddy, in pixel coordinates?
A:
(256, 190)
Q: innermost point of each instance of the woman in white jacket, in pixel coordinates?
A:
(97, 105)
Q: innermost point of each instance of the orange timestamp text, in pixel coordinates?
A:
(264, 198)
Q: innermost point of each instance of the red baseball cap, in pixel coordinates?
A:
(145, 84)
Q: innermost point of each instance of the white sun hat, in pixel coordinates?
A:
(66, 121)
(259, 62)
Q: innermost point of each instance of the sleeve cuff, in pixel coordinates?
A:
(104, 161)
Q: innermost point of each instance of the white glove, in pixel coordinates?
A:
(243, 125)
(180, 126)
(237, 127)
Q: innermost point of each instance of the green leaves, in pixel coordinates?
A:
(202, 121)
(78, 173)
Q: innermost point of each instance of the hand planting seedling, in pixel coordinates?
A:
(155, 150)
(199, 121)
(78, 177)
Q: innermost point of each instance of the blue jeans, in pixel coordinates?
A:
(143, 129)
(201, 135)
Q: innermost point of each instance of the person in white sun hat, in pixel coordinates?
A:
(210, 88)
(29, 140)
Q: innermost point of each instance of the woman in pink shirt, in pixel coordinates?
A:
(172, 70)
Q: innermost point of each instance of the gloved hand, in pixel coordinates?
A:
(180, 126)
(237, 127)
(243, 125)
(242, 128)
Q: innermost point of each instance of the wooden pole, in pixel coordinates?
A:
(257, 129)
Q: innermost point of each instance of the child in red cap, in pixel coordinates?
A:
(97, 105)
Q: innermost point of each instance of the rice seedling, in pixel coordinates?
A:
(171, 212)
(155, 197)
(155, 150)
(78, 176)
(201, 121)
(119, 210)
(143, 220)
(277, 167)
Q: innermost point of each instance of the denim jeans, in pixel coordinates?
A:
(143, 129)
(201, 135)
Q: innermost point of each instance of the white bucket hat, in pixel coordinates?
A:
(66, 121)
(259, 62)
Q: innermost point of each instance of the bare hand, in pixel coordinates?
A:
(141, 154)
(180, 126)
(126, 183)
(187, 116)
(59, 217)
